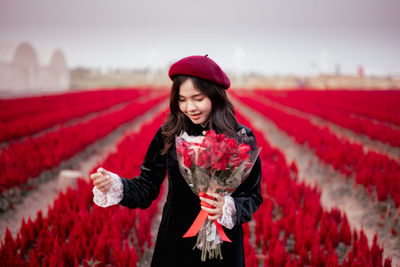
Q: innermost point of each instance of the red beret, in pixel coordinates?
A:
(202, 67)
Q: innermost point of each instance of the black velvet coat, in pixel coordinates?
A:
(182, 207)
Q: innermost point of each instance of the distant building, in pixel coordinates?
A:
(23, 70)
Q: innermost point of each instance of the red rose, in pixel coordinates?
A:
(211, 135)
(203, 159)
(220, 137)
(220, 155)
(242, 151)
(187, 157)
(233, 145)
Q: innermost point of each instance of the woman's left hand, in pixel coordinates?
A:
(218, 203)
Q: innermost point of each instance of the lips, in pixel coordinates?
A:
(195, 116)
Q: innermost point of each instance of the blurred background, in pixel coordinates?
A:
(48, 45)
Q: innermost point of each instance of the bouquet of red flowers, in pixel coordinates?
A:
(218, 164)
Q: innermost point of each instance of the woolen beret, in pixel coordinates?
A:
(202, 67)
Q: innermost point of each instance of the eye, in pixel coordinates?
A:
(181, 99)
(199, 99)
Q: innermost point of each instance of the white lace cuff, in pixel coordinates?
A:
(228, 218)
(113, 196)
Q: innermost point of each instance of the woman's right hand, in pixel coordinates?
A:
(101, 179)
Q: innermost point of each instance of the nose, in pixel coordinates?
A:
(191, 107)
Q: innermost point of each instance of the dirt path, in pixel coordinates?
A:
(65, 175)
(336, 190)
(365, 141)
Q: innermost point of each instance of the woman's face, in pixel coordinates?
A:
(193, 103)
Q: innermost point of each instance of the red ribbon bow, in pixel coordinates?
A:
(201, 218)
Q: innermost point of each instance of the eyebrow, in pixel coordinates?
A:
(200, 94)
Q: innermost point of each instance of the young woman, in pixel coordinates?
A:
(198, 102)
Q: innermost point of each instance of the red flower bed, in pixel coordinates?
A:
(307, 102)
(292, 229)
(77, 232)
(376, 172)
(29, 158)
(56, 110)
(12, 109)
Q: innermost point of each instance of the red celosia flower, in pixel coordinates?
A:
(393, 231)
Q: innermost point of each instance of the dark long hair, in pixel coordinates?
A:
(222, 118)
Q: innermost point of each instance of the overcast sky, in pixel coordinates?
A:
(271, 37)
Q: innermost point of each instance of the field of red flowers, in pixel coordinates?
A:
(346, 134)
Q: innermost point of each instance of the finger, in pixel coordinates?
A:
(220, 199)
(211, 211)
(209, 201)
(103, 186)
(100, 180)
(102, 171)
(213, 217)
(215, 195)
(100, 176)
(103, 177)
(94, 175)
(104, 183)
